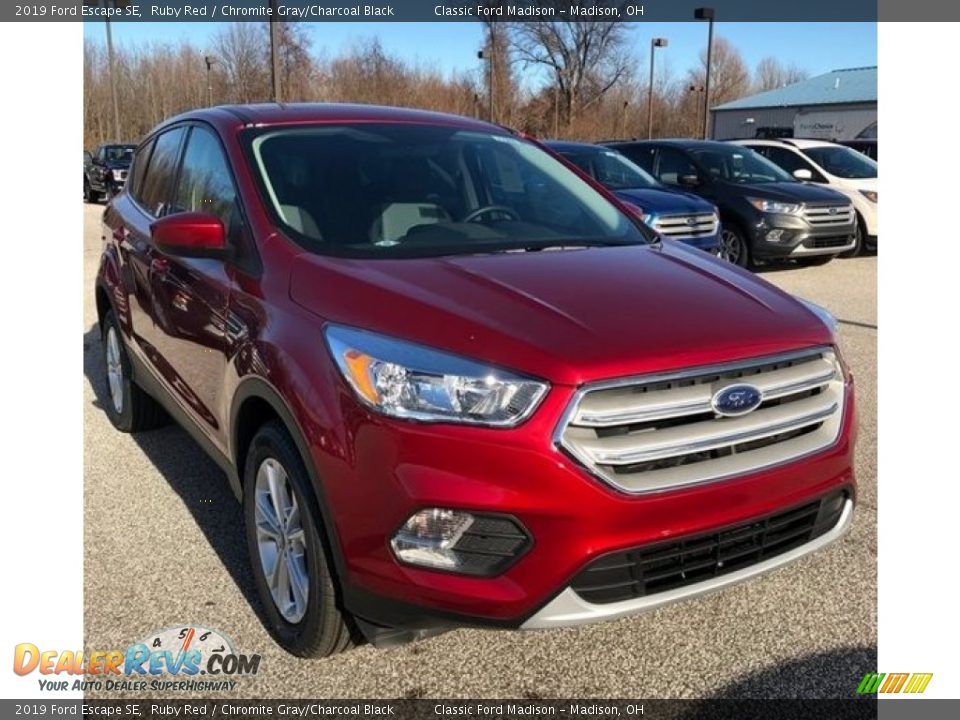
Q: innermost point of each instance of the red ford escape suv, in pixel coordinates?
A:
(455, 382)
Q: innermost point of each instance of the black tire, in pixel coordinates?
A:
(734, 246)
(89, 194)
(814, 261)
(134, 410)
(858, 248)
(323, 629)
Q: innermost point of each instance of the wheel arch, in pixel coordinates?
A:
(257, 402)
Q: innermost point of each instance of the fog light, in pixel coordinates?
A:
(428, 537)
(461, 542)
(775, 235)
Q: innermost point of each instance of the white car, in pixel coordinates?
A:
(843, 169)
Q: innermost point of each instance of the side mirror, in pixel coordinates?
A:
(803, 174)
(191, 234)
(690, 181)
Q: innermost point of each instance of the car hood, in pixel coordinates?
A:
(789, 192)
(117, 165)
(661, 202)
(569, 316)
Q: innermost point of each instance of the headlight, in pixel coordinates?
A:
(821, 312)
(117, 174)
(413, 382)
(775, 207)
(870, 195)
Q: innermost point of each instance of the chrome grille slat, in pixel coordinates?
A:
(660, 432)
(686, 226)
(828, 215)
(617, 407)
(699, 437)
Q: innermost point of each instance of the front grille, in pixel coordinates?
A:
(828, 215)
(651, 569)
(687, 226)
(661, 432)
(828, 242)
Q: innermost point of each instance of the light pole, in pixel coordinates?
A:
(209, 60)
(274, 57)
(706, 13)
(697, 89)
(654, 44)
(488, 55)
(113, 70)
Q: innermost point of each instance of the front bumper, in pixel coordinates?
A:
(797, 238)
(569, 608)
(392, 469)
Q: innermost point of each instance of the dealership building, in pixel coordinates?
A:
(839, 105)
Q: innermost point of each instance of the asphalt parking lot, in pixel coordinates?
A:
(164, 546)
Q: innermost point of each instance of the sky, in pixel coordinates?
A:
(451, 47)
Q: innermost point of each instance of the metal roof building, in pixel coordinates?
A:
(838, 105)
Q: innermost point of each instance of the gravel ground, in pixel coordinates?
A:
(164, 545)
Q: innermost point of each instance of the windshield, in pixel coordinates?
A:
(842, 161)
(119, 153)
(611, 169)
(738, 165)
(398, 190)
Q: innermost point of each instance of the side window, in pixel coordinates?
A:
(139, 169)
(673, 165)
(642, 156)
(791, 161)
(205, 183)
(101, 152)
(160, 171)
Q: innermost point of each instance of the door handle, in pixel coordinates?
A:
(160, 265)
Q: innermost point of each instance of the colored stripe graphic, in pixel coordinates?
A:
(894, 683)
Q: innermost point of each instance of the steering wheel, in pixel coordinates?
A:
(489, 209)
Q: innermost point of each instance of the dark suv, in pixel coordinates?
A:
(105, 170)
(766, 214)
(456, 382)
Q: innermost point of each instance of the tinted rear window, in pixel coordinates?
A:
(160, 171)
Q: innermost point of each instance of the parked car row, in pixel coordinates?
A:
(750, 201)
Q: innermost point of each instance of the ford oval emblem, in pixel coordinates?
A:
(736, 400)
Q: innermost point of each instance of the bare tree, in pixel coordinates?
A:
(297, 68)
(772, 74)
(585, 59)
(729, 77)
(244, 51)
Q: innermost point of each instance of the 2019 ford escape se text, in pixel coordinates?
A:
(455, 382)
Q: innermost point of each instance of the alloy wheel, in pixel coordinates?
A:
(731, 247)
(114, 370)
(281, 541)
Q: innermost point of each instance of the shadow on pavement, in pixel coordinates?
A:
(200, 483)
(832, 674)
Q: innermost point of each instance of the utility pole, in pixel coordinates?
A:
(274, 52)
(707, 13)
(209, 60)
(654, 44)
(556, 111)
(488, 55)
(113, 73)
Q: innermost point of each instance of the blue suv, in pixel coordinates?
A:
(677, 215)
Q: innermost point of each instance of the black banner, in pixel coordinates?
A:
(852, 709)
(439, 10)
